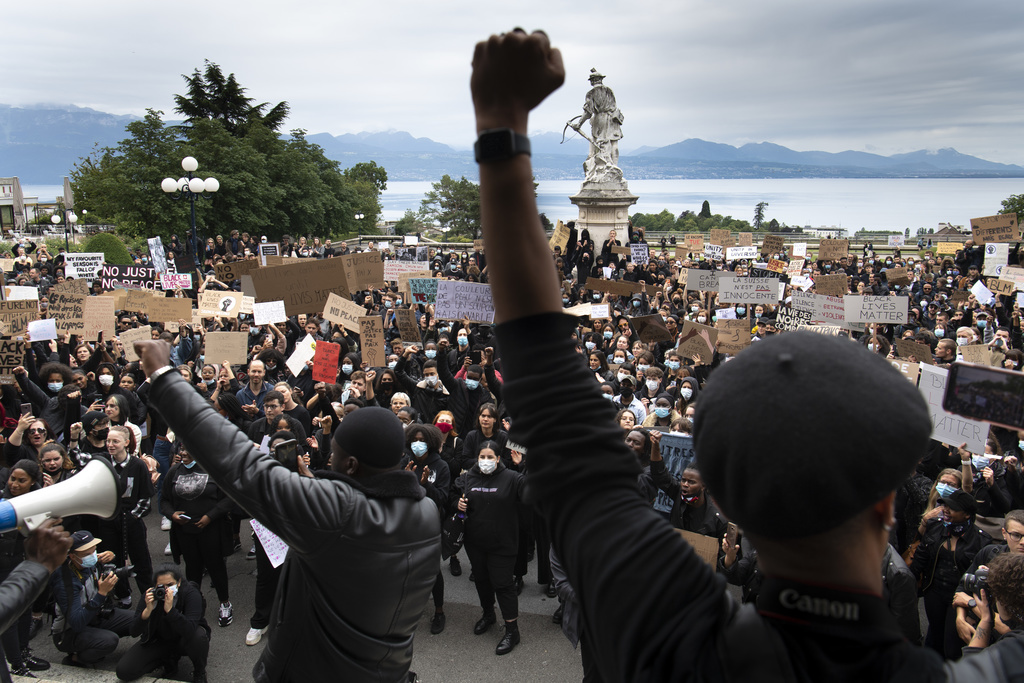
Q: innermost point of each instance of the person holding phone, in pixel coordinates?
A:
(200, 528)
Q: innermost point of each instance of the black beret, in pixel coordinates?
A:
(374, 436)
(961, 501)
(802, 431)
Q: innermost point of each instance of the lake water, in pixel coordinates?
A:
(851, 203)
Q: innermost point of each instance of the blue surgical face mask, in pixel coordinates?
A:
(90, 561)
(741, 310)
(419, 448)
(398, 302)
(590, 345)
(944, 490)
(982, 324)
(463, 341)
(430, 353)
(347, 368)
(662, 412)
(939, 332)
(672, 364)
(979, 462)
(472, 384)
(55, 386)
(608, 334)
(642, 368)
(189, 465)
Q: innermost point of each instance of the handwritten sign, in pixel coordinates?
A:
(754, 290)
(897, 276)
(722, 238)
(392, 269)
(787, 319)
(733, 335)
(99, 317)
(371, 337)
(137, 300)
(651, 328)
(223, 304)
(144, 333)
(616, 287)
(423, 290)
(694, 244)
(737, 253)
(699, 280)
(229, 272)
(948, 247)
(946, 427)
(833, 250)
(800, 249)
(12, 354)
(164, 309)
(127, 277)
(639, 253)
(559, 237)
(325, 362)
(909, 370)
(457, 300)
(276, 549)
(16, 315)
(408, 330)
(304, 286)
(908, 348)
(171, 281)
(343, 311)
(999, 228)
(267, 312)
(1005, 287)
(42, 330)
(831, 285)
(895, 240)
(599, 311)
(363, 270)
(68, 310)
(887, 310)
(87, 265)
(714, 252)
(772, 244)
(775, 265)
(981, 354)
(745, 239)
(697, 339)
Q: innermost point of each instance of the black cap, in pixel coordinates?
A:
(83, 540)
(802, 431)
(961, 501)
(373, 435)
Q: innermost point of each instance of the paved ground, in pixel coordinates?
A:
(453, 656)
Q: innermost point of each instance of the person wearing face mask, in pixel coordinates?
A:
(950, 543)
(487, 428)
(429, 395)
(490, 493)
(465, 396)
(689, 389)
(200, 532)
(108, 378)
(168, 629)
(987, 479)
(626, 397)
(661, 414)
(86, 626)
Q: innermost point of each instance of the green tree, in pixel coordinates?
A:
(759, 215)
(455, 204)
(705, 209)
(1013, 204)
(545, 222)
(211, 95)
(409, 224)
(113, 249)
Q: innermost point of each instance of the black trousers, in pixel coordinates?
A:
(143, 658)
(99, 639)
(205, 551)
(937, 604)
(266, 587)
(494, 577)
(127, 533)
(532, 529)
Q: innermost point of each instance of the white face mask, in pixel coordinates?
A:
(652, 385)
(487, 466)
(686, 392)
(622, 376)
(431, 380)
(106, 380)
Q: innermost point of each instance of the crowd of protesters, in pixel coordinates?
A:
(86, 399)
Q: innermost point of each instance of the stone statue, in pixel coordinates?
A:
(602, 164)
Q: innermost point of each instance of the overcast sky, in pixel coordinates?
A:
(885, 77)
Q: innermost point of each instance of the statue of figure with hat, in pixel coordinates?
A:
(602, 164)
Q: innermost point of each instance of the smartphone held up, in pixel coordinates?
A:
(984, 393)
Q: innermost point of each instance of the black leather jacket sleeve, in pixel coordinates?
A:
(19, 589)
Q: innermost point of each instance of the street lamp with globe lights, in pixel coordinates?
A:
(191, 188)
(70, 218)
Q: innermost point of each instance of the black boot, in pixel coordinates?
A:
(509, 640)
(484, 623)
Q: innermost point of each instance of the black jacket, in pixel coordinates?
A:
(178, 625)
(363, 553)
(492, 516)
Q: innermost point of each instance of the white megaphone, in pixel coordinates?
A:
(93, 491)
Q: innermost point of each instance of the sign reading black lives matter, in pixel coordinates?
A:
(127, 277)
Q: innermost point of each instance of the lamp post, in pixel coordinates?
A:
(70, 218)
(191, 188)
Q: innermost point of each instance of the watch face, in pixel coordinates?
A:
(500, 144)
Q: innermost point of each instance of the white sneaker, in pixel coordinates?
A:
(165, 524)
(167, 550)
(254, 635)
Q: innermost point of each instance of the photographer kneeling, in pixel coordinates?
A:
(172, 624)
(87, 625)
(1005, 592)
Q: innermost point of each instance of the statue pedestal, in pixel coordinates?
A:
(604, 207)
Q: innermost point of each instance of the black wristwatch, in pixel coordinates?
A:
(500, 144)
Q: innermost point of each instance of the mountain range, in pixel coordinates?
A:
(41, 143)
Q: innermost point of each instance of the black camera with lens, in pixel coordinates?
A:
(159, 592)
(122, 573)
(973, 583)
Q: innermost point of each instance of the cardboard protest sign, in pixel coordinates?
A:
(325, 362)
(695, 244)
(887, 310)
(996, 256)
(42, 330)
(908, 348)
(616, 287)
(737, 253)
(392, 269)
(144, 333)
(677, 452)
(999, 228)
(639, 253)
(733, 335)
(458, 300)
(621, 251)
(895, 240)
(775, 265)
(267, 312)
(137, 300)
(832, 285)
(99, 317)
(745, 239)
(559, 237)
(946, 427)
(229, 272)
(800, 249)
(163, 309)
(579, 310)
(371, 338)
(794, 268)
(343, 311)
(16, 315)
(599, 311)
(651, 328)
(697, 339)
(699, 280)
(787, 319)
(364, 270)
(227, 346)
(772, 244)
(752, 290)
(981, 354)
(423, 290)
(87, 265)
(172, 281)
(118, 296)
(408, 330)
(705, 547)
(714, 252)
(909, 370)
(224, 304)
(403, 282)
(71, 287)
(304, 287)
(68, 310)
(948, 247)
(722, 238)
(828, 330)
(897, 276)
(1014, 275)
(833, 250)
(7, 265)
(12, 354)
(127, 277)
(1005, 287)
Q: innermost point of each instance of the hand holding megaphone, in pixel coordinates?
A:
(93, 491)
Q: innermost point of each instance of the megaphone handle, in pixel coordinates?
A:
(29, 524)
